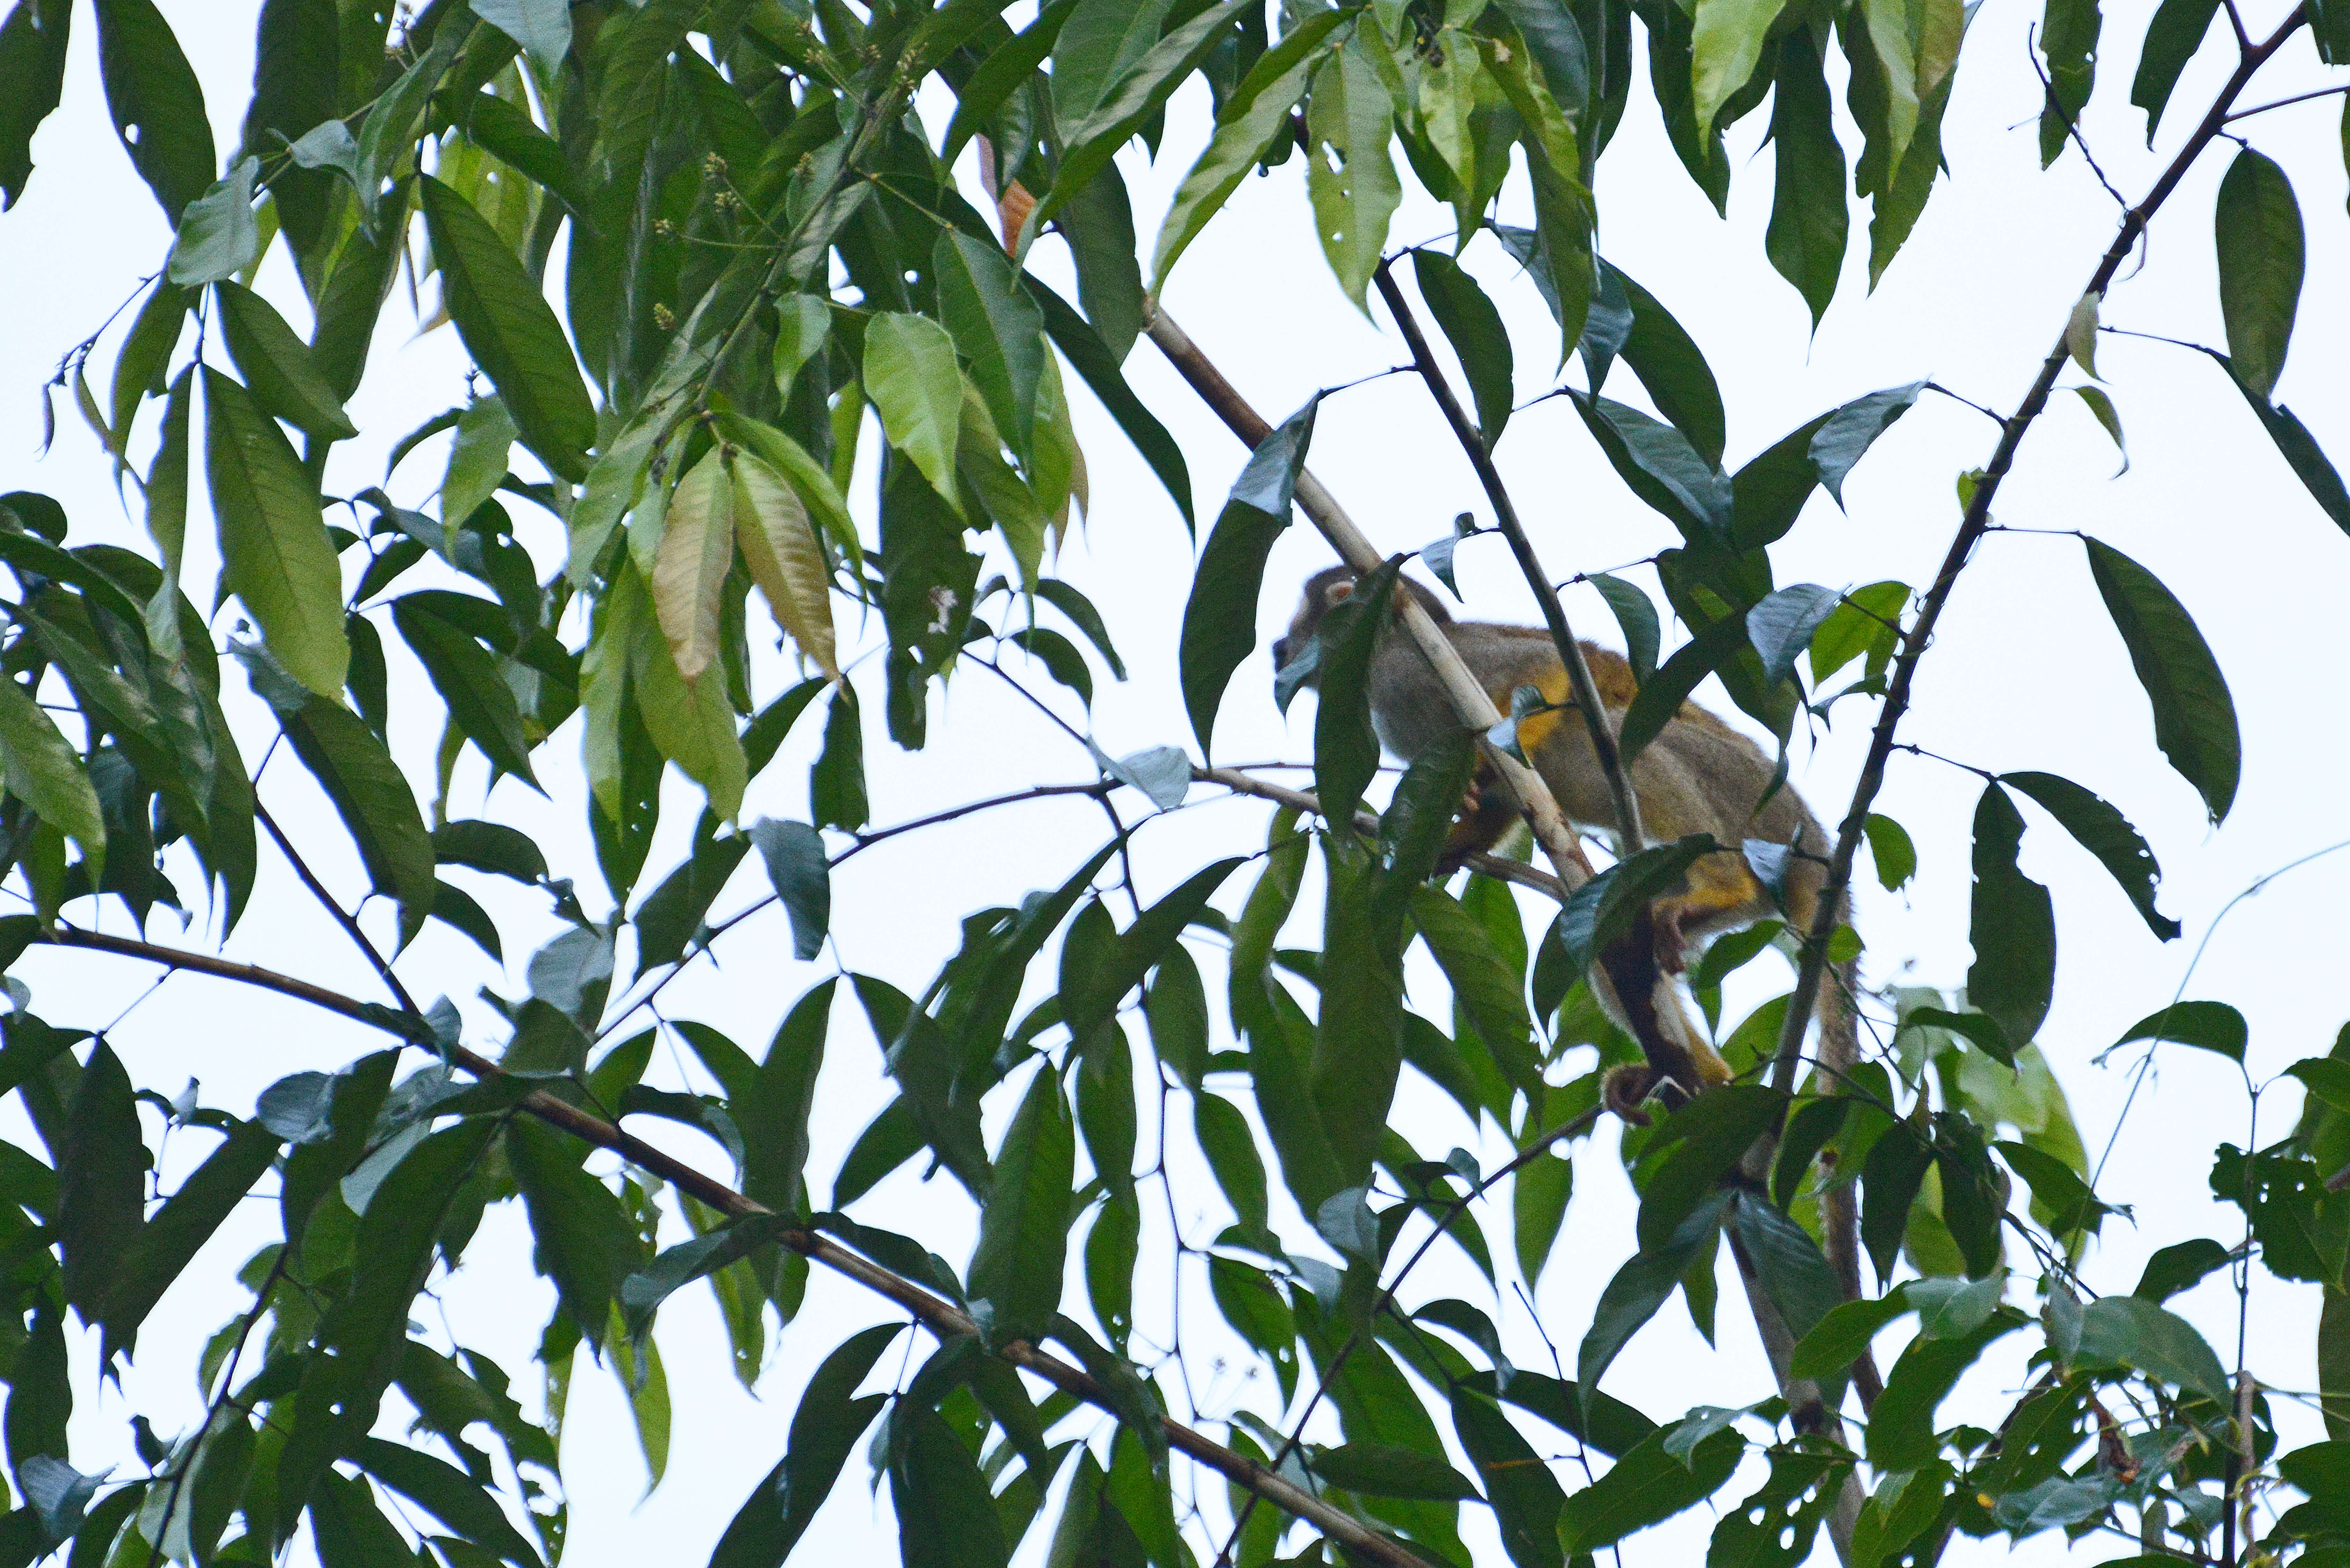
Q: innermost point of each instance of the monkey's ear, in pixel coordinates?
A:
(1337, 592)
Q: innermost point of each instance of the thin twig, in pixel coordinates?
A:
(943, 1318)
(1505, 517)
(2297, 98)
(343, 916)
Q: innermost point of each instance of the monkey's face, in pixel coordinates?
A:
(1331, 585)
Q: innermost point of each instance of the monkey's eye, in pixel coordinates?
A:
(1339, 591)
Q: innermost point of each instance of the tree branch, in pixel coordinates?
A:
(1470, 702)
(943, 1318)
(1500, 868)
(343, 917)
(1505, 515)
(1971, 527)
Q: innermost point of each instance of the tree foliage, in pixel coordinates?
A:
(687, 244)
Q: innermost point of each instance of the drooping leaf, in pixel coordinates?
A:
(911, 377)
(1220, 617)
(2194, 716)
(2012, 926)
(1810, 215)
(784, 558)
(2104, 833)
(157, 104)
(32, 76)
(2257, 230)
(274, 554)
(1473, 328)
(823, 1432)
(277, 365)
(510, 330)
(42, 770)
(998, 330)
(1349, 175)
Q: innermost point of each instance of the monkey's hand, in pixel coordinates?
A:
(1623, 1089)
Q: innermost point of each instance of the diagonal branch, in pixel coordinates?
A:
(1505, 515)
(1972, 528)
(943, 1318)
(1470, 702)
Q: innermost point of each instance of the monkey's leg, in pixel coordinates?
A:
(1722, 893)
(1646, 1002)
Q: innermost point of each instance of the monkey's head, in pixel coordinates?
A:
(1330, 587)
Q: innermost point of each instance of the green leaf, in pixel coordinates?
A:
(1901, 1431)
(1003, 73)
(101, 1182)
(2104, 833)
(1383, 1469)
(277, 365)
(2101, 407)
(2068, 41)
(1099, 224)
(2012, 925)
(449, 1494)
(541, 28)
(1895, 1170)
(1231, 1147)
(1112, 1248)
(32, 76)
(275, 553)
(455, 906)
(1662, 694)
(1700, 1144)
(1666, 359)
(946, 1515)
(368, 791)
(1349, 176)
(1024, 1235)
(490, 847)
(2208, 1025)
(1848, 433)
(2257, 230)
(998, 330)
(1839, 1337)
(1131, 100)
(1219, 616)
(1345, 747)
(581, 1238)
(218, 236)
(156, 103)
(1726, 38)
(42, 769)
(1810, 216)
(472, 685)
(1082, 346)
(511, 332)
(1484, 987)
(911, 376)
(1473, 328)
(163, 1249)
(1254, 116)
(2194, 716)
(2174, 1268)
(823, 1432)
(1636, 616)
(2298, 447)
(477, 463)
(1524, 1495)
(2172, 37)
(1890, 849)
(1646, 1487)
(1782, 626)
(1642, 1285)
(1660, 466)
(2157, 1342)
(784, 556)
(794, 853)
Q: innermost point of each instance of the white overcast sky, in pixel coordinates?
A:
(2026, 674)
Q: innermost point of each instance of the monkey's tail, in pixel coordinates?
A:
(1839, 1216)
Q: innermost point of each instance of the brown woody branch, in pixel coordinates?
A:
(1471, 703)
(943, 1318)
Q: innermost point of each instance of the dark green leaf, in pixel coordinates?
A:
(796, 865)
(1091, 358)
(581, 1237)
(218, 235)
(774, 1112)
(2194, 716)
(2104, 833)
(156, 103)
(2172, 40)
(1894, 1169)
(169, 1243)
(2173, 1268)
(2012, 925)
(1662, 694)
(2158, 1342)
(481, 703)
(997, 327)
(1663, 355)
(1023, 1235)
(2068, 40)
(1383, 1469)
(2208, 1025)
(1636, 615)
(1646, 1487)
(1231, 1147)
(823, 1432)
(1220, 617)
(946, 1516)
(2257, 227)
(275, 553)
(2298, 447)
(1838, 1338)
(1853, 428)
(1781, 627)
(1693, 1148)
(449, 1494)
(32, 76)
(277, 365)
(1345, 747)
(101, 1183)
(1473, 328)
(1901, 1432)
(510, 330)
(1641, 1286)
(1660, 466)
(1809, 212)
(491, 846)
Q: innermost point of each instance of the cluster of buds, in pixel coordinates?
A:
(726, 201)
(664, 317)
(664, 229)
(713, 167)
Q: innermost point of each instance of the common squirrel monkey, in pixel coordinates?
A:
(1698, 776)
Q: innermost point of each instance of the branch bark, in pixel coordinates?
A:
(943, 1318)
(1497, 867)
(1505, 517)
(1470, 702)
(1971, 527)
